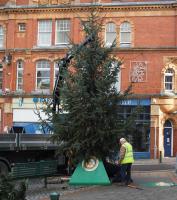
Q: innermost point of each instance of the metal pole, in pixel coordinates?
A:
(176, 163)
(155, 141)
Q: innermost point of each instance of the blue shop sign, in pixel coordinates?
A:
(136, 102)
(39, 100)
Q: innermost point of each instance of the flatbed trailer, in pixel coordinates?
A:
(20, 148)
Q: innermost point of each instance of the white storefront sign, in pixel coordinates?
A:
(27, 115)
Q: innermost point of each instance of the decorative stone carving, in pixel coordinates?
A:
(138, 71)
(54, 2)
(168, 105)
(51, 2)
(170, 60)
(44, 2)
(64, 1)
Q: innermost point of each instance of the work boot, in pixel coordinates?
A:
(129, 182)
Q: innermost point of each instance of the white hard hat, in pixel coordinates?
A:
(122, 140)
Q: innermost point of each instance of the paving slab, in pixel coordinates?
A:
(145, 173)
(143, 192)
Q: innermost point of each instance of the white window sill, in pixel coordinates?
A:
(41, 92)
(169, 93)
(53, 47)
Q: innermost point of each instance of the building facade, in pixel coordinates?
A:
(34, 35)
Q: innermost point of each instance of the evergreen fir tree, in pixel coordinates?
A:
(90, 98)
(9, 191)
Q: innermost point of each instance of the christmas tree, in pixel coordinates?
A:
(89, 98)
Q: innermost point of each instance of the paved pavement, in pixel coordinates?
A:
(115, 192)
(154, 164)
(145, 174)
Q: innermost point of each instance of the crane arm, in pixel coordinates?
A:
(63, 64)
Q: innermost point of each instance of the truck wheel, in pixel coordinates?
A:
(3, 168)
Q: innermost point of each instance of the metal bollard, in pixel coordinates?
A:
(54, 196)
(160, 157)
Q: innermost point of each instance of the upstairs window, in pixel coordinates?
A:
(44, 33)
(1, 37)
(20, 67)
(169, 80)
(43, 75)
(1, 76)
(125, 34)
(110, 34)
(63, 31)
(22, 27)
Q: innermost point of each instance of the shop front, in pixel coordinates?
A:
(138, 133)
(164, 128)
(26, 116)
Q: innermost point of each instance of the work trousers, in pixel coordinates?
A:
(125, 172)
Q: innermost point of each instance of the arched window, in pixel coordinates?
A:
(20, 68)
(56, 71)
(1, 37)
(168, 124)
(1, 76)
(43, 75)
(169, 79)
(117, 84)
(110, 34)
(125, 34)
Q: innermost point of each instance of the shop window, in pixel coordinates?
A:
(110, 34)
(125, 34)
(44, 33)
(43, 75)
(1, 37)
(139, 129)
(1, 76)
(20, 68)
(62, 32)
(169, 79)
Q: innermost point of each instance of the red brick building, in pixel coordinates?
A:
(34, 35)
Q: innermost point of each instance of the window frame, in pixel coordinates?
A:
(1, 36)
(21, 27)
(169, 74)
(108, 44)
(56, 71)
(117, 84)
(1, 77)
(42, 32)
(19, 62)
(42, 69)
(57, 30)
(123, 31)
